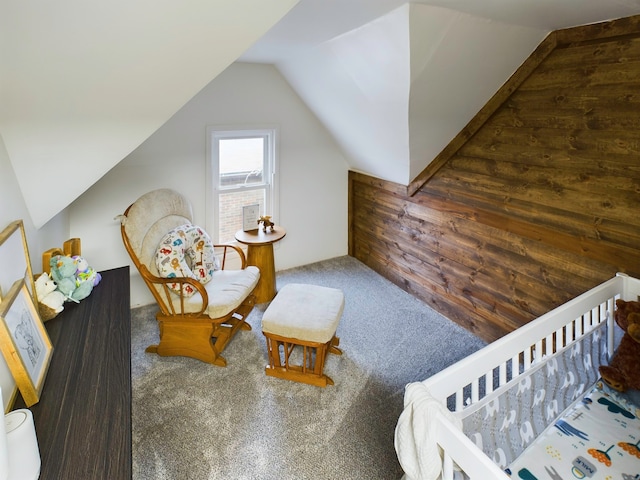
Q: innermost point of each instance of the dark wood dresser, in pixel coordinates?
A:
(83, 419)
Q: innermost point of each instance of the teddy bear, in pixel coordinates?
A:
(63, 272)
(623, 371)
(50, 300)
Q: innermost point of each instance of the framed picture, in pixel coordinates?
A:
(250, 216)
(15, 260)
(25, 344)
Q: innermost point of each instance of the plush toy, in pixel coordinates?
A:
(84, 273)
(63, 272)
(50, 300)
(266, 222)
(623, 371)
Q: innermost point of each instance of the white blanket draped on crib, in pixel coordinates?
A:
(415, 439)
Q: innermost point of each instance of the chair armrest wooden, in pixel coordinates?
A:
(236, 249)
(164, 299)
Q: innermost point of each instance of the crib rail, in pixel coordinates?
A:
(484, 371)
(471, 379)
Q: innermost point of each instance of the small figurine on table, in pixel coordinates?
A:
(266, 222)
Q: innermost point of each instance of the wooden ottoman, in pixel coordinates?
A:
(304, 316)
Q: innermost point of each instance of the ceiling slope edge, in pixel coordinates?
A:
(458, 62)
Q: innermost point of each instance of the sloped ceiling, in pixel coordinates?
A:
(395, 91)
(84, 82)
(394, 110)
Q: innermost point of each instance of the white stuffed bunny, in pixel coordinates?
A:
(50, 301)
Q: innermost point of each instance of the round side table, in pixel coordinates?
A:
(260, 253)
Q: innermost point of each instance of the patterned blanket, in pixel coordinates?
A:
(597, 438)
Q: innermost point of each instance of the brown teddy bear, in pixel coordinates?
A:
(623, 372)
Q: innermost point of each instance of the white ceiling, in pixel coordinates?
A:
(312, 22)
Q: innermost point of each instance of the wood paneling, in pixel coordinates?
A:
(535, 201)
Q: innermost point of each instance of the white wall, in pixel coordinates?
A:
(313, 172)
(13, 207)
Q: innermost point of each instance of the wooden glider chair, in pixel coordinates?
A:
(200, 325)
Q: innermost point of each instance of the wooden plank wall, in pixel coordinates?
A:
(535, 202)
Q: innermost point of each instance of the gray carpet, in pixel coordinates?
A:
(195, 421)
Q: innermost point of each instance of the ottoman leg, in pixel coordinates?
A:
(310, 371)
(333, 346)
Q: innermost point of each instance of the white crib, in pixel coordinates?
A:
(468, 384)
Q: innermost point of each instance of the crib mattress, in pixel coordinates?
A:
(596, 438)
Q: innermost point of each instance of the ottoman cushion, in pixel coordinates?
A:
(305, 312)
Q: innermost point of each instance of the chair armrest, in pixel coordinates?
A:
(234, 248)
(164, 300)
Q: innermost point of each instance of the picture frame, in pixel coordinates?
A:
(250, 216)
(14, 256)
(24, 342)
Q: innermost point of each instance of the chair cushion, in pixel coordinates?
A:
(227, 289)
(186, 251)
(304, 312)
(150, 217)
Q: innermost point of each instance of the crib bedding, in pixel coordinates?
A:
(508, 420)
(596, 438)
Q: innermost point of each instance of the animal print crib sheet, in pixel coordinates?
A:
(597, 439)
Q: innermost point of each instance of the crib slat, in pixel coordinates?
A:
(559, 338)
(475, 391)
(570, 331)
(579, 326)
(527, 359)
(447, 467)
(539, 353)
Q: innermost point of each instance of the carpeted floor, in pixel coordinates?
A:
(195, 421)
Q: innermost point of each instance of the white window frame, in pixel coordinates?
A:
(213, 190)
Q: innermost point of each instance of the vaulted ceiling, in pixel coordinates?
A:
(83, 83)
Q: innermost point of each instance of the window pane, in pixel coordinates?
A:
(230, 211)
(241, 161)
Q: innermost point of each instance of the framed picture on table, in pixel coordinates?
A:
(24, 342)
(250, 217)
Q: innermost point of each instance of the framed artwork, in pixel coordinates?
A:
(250, 216)
(15, 260)
(24, 342)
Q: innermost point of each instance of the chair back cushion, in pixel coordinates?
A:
(186, 251)
(149, 219)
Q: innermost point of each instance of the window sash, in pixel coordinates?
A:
(216, 189)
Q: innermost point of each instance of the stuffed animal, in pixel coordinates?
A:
(623, 371)
(84, 273)
(63, 272)
(50, 300)
(266, 222)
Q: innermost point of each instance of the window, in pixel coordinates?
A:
(242, 172)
